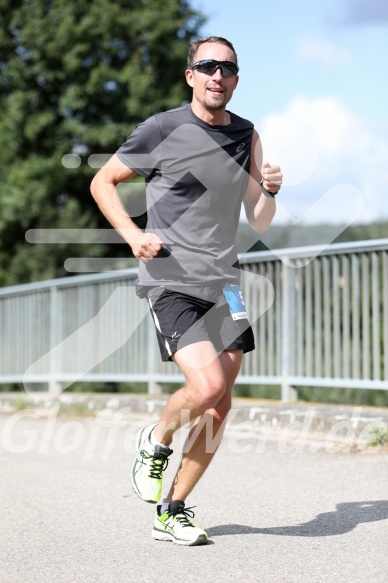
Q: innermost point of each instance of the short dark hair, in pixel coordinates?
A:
(196, 43)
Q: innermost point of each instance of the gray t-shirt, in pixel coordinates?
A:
(196, 177)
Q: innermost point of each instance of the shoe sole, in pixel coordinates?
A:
(166, 536)
(134, 466)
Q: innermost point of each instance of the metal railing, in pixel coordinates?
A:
(327, 325)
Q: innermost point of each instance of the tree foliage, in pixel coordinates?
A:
(76, 76)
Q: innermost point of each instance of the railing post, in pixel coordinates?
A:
(53, 385)
(289, 393)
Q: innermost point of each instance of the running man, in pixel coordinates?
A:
(201, 163)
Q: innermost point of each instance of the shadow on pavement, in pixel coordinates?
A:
(344, 519)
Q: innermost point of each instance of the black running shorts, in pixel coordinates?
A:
(181, 319)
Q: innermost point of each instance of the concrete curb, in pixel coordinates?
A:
(347, 425)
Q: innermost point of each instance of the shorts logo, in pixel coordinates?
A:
(240, 148)
(176, 335)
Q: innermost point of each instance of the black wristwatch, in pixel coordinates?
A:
(265, 191)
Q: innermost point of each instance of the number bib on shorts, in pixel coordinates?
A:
(235, 299)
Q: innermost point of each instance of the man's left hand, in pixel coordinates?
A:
(272, 177)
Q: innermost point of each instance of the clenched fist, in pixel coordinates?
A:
(272, 177)
(146, 246)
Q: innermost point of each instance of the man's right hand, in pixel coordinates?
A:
(146, 246)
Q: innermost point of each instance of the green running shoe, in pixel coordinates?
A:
(151, 460)
(174, 525)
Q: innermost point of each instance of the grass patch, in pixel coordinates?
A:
(380, 437)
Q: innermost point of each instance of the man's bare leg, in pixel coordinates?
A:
(205, 388)
(200, 453)
(206, 383)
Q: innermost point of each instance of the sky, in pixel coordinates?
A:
(314, 81)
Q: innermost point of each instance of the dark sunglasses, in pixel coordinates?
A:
(210, 66)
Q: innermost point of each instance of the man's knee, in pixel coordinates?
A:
(211, 393)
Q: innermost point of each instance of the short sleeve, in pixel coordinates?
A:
(142, 149)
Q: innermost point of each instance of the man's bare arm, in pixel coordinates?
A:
(260, 208)
(145, 246)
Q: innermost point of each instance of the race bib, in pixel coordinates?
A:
(235, 299)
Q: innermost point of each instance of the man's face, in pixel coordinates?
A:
(212, 92)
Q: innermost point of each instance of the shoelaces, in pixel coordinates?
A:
(182, 516)
(158, 464)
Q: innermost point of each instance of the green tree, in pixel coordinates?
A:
(75, 77)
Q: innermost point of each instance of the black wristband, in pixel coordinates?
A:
(267, 192)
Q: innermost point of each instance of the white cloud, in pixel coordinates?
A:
(324, 52)
(286, 137)
(320, 144)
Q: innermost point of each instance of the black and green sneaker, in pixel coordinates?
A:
(151, 460)
(174, 525)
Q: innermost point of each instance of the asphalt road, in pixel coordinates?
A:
(68, 513)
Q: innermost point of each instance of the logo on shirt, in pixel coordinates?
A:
(240, 148)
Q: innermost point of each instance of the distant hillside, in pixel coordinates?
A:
(278, 237)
